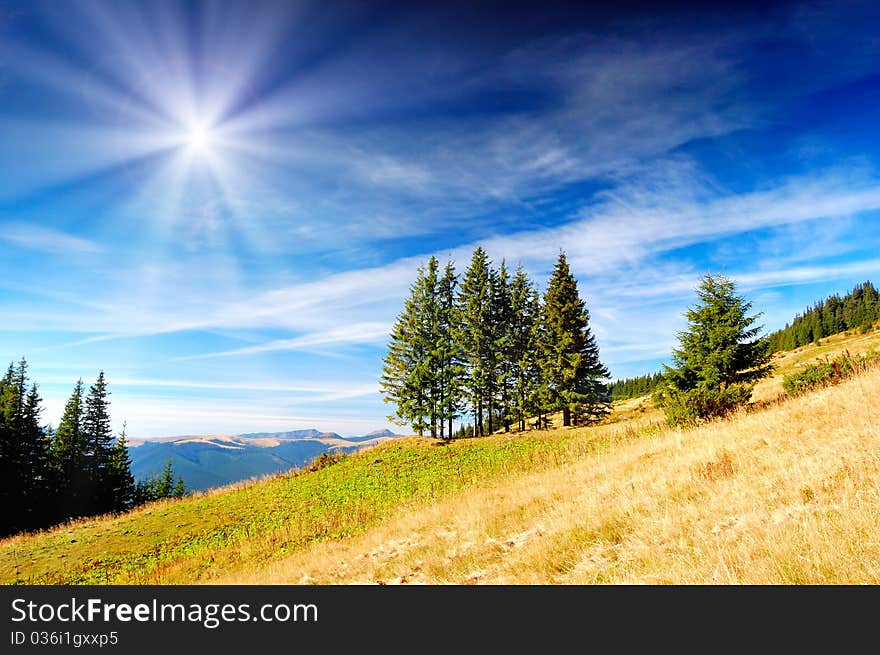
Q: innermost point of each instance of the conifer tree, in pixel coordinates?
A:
(98, 436)
(409, 370)
(521, 347)
(120, 481)
(179, 490)
(165, 483)
(38, 474)
(571, 369)
(448, 352)
(68, 451)
(474, 335)
(25, 472)
(859, 309)
(501, 389)
(719, 356)
(10, 454)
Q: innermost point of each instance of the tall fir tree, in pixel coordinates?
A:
(571, 369)
(68, 452)
(521, 346)
(428, 371)
(25, 472)
(474, 335)
(120, 481)
(10, 454)
(39, 472)
(409, 372)
(501, 390)
(99, 441)
(449, 353)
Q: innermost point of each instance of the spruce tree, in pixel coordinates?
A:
(68, 452)
(571, 369)
(719, 356)
(179, 490)
(521, 346)
(25, 471)
(474, 335)
(10, 454)
(501, 390)
(165, 483)
(99, 440)
(120, 481)
(39, 473)
(410, 373)
(448, 352)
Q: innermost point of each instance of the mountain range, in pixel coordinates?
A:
(205, 461)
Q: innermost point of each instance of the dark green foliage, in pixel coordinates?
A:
(69, 450)
(829, 371)
(474, 335)
(572, 374)
(500, 389)
(160, 486)
(421, 374)
(477, 346)
(689, 407)
(98, 437)
(521, 352)
(858, 310)
(406, 362)
(120, 481)
(50, 476)
(26, 475)
(634, 387)
(719, 358)
(448, 353)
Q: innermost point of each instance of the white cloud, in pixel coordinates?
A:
(44, 239)
(348, 334)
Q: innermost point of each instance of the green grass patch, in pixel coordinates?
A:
(829, 371)
(194, 538)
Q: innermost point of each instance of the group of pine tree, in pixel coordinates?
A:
(490, 346)
(634, 387)
(79, 469)
(857, 310)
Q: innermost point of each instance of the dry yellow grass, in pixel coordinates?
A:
(790, 494)
(785, 493)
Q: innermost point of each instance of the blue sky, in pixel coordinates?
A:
(222, 204)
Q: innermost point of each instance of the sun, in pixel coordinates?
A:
(199, 138)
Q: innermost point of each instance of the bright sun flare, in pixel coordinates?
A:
(199, 138)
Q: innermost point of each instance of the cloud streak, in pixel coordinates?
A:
(47, 240)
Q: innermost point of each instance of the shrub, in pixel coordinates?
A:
(324, 460)
(829, 371)
(695, 405)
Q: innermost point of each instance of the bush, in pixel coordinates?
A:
(325, 459)
(701, 404)
(829, 371)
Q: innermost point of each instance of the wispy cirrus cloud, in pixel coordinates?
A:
(619, 236)
(370, 332)
(44, 239)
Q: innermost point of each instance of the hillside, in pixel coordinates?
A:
(206, 461)
(783, 494)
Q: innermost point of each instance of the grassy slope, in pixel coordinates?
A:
(787, 494)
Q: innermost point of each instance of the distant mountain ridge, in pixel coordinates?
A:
(206, 461)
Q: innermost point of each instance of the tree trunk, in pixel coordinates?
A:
(491, 408)
(566, 416)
